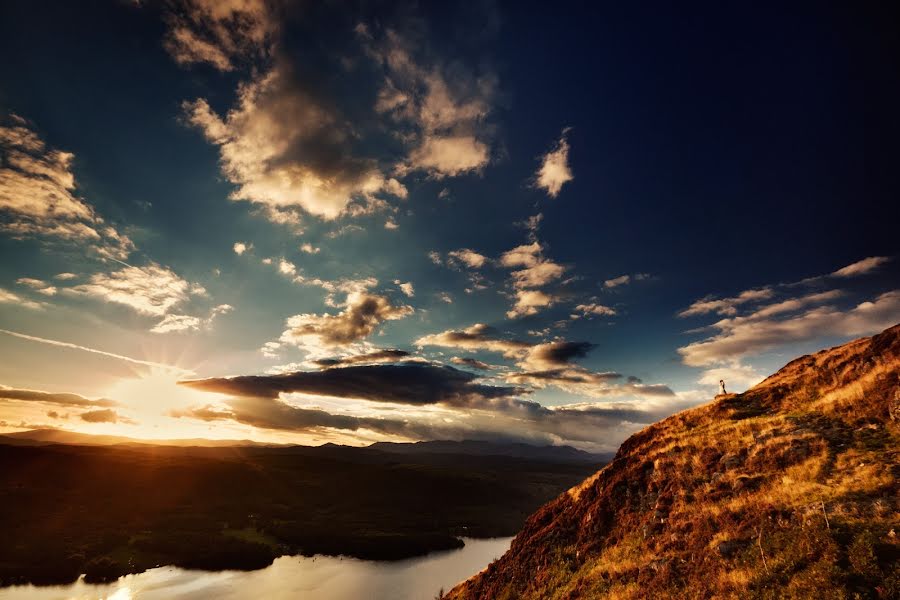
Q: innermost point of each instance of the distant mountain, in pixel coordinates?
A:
(789, 490)
(43, 437)
(484, 448)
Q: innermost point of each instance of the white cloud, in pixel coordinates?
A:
(726, 306)
(593, 309)
(218, 32)
(309, 248)
(37, 196)
(7, 297)
(41, 287)
(172, 323)
(737, 376)
(529, 302)
(466, 256)
(617, 281)
(477, 337)
(281, 147)
(753, 334)
(362, 315)
(449, 156)
(538, 271)
(861, 267)
(407, 288)
(554, 171)
(241, 247)
(445, 110)
(150, 290)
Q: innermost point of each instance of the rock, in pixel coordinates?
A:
(729, 548)
(730, 461)
(658, 564)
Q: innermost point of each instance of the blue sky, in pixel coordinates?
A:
(606, 208)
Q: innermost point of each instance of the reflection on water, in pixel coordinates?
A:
(317, 578)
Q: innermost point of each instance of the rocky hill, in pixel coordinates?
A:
(788, 490)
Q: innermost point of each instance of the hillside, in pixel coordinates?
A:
(788, 490)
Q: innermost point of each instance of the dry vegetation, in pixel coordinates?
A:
(788, 490)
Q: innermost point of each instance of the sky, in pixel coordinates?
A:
(351, 222)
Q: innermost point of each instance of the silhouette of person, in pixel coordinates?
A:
(722, 386)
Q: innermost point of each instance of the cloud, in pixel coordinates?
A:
(861, 267)
(449, 156)
(407, 288)
(363, 313)
(7, 297)
(555, 354)
(529, 302)
(546, 364)
(333, 287)
(309, 248)
(404, 383)
(444, 109)
(218, 32)
(593, 309)
(466, 256)
(538, 271)
(376, 356)
(106, 415)
(151, 290)
(617, 281)
(60, 398)
(471, 363)
(554, 171)
(624, 280)
(726, 306)
(737, 376)
(477, 337)
(241, 247)
(37, 196)
(283, 147)
(38, 285)
(173, 323)
(769, 328)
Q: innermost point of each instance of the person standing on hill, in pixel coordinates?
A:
(722, 386)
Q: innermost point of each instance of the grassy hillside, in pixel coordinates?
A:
(788, 490)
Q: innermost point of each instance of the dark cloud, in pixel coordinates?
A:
(64, 399)
(471, 362)
(369, 357)
(557, 353)
(404, 383)
(106, 415)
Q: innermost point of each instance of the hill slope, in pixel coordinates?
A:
(788, 490)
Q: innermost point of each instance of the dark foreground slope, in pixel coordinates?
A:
(786, 491)
(107, 511)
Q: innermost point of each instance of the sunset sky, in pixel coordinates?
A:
(363, 221)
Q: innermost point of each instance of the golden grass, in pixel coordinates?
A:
(777, 492)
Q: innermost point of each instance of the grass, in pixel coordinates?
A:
(786, 491)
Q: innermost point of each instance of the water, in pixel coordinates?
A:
(316, 578)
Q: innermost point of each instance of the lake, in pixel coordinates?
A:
(310, 578)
